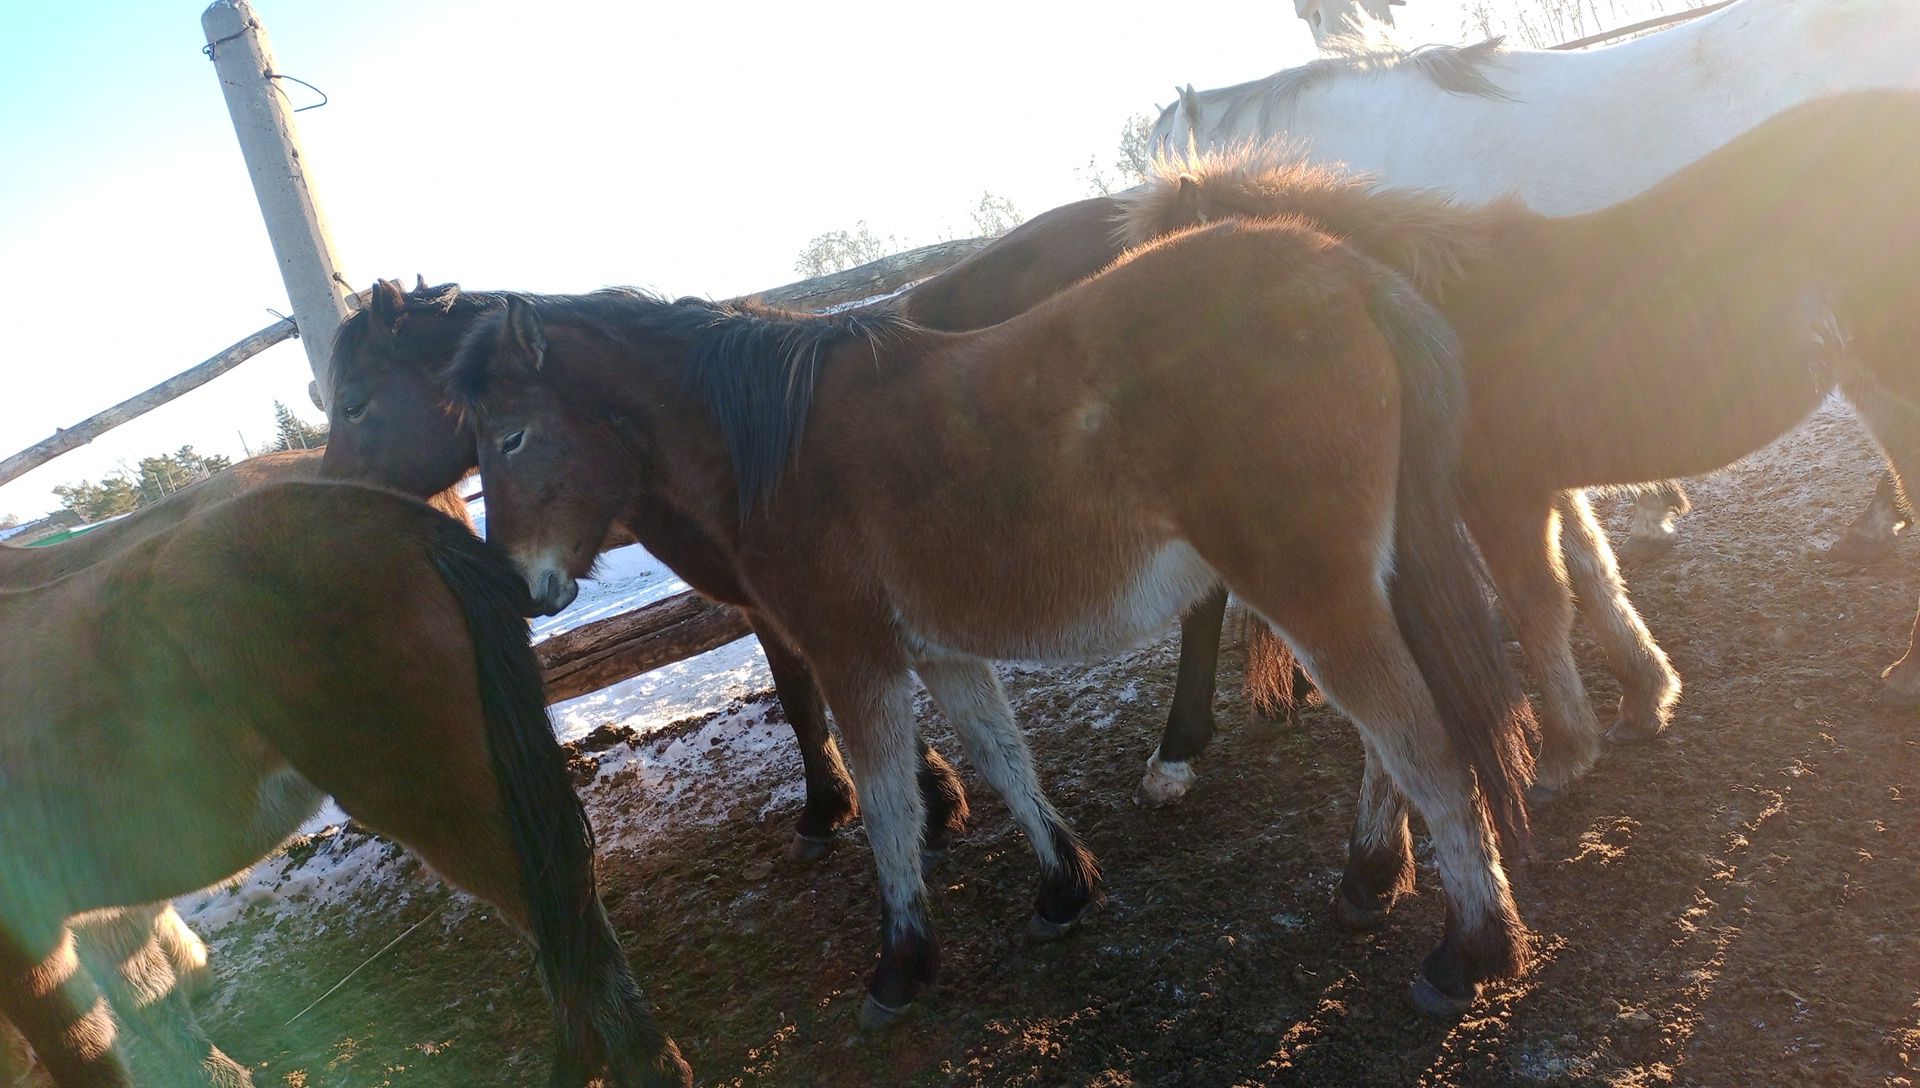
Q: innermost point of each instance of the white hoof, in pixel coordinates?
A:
(1165, 783)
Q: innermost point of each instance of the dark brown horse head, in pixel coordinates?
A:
(557, 475)
(388, 419)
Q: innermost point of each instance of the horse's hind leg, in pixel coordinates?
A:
(56, 1007)
(1655, 509)
(1353, 649)
(1648, 685)
(1520, 540)
(124, 951)
(969, 694)
(1190, 721)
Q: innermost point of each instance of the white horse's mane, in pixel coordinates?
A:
(1366, 47)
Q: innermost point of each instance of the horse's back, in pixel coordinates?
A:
(1571, 132)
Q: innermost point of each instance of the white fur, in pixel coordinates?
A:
(1580, 130)
(969, 694)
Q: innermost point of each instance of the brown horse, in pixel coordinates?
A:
(1667, 335)
(176, 709)
(1255, 405)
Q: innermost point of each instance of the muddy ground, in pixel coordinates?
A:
(1734, 904)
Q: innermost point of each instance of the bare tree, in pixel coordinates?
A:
(1131, 160)
(994, 216)
(837, 250)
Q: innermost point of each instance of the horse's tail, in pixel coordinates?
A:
(599, 1013)
(1438, 585)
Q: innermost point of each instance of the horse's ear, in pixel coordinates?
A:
(1188, 208)
(388, 306)
(522, 340)
(419, 282)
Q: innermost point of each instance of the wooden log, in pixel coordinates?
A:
(608, 651)
(871, 279)
(87, 430)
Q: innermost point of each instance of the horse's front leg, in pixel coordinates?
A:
(1893, 420)
(874, 705)
(1872, 533)
(1518, 536)
(1380, 853)
(830, 793)
(53, 1002)
(127, 952)
(1655, 509)
(830, 798)
(1649, 686)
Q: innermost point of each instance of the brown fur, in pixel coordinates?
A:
(180, 702)
(1263, 395)
(1667, 335)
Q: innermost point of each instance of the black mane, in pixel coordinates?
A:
(752, 364)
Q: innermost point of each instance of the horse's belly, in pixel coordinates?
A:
(1056, 619)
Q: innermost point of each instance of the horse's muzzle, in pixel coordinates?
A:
(553, 591)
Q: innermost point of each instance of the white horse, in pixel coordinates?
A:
(1567, 132)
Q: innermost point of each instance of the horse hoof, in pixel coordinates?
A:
(809, 848)
(1855, 551)
(877, 1017)
(1639, 550)
(1540, 795)
(1357, 918)
(1041, 931)
(1432, 1001)
(1899, 690)
(1164, 783)
(1624, 731)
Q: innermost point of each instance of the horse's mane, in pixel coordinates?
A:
(1420, 232)
(1368, 48)
(753, 365)
(445, 300)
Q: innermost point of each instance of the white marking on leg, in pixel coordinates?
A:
(969, 694)
(1166, 781)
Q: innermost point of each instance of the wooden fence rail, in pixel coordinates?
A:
(608, 651)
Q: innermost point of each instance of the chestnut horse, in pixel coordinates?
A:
(1258, 405)
(177, 708)
(390, 424)
(1667, 335)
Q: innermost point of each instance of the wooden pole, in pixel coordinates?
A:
(86, 431)
(263, 121)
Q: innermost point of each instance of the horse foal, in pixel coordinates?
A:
(1255, 405)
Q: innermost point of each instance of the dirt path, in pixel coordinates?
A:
(1732, 905)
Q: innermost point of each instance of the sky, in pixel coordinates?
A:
(688, 148)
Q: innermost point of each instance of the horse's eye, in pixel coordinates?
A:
(354, 412)
(512, 442)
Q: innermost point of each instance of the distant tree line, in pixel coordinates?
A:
(157, 477)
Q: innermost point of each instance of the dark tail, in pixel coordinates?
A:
(1438, 585)
(599, 1013)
